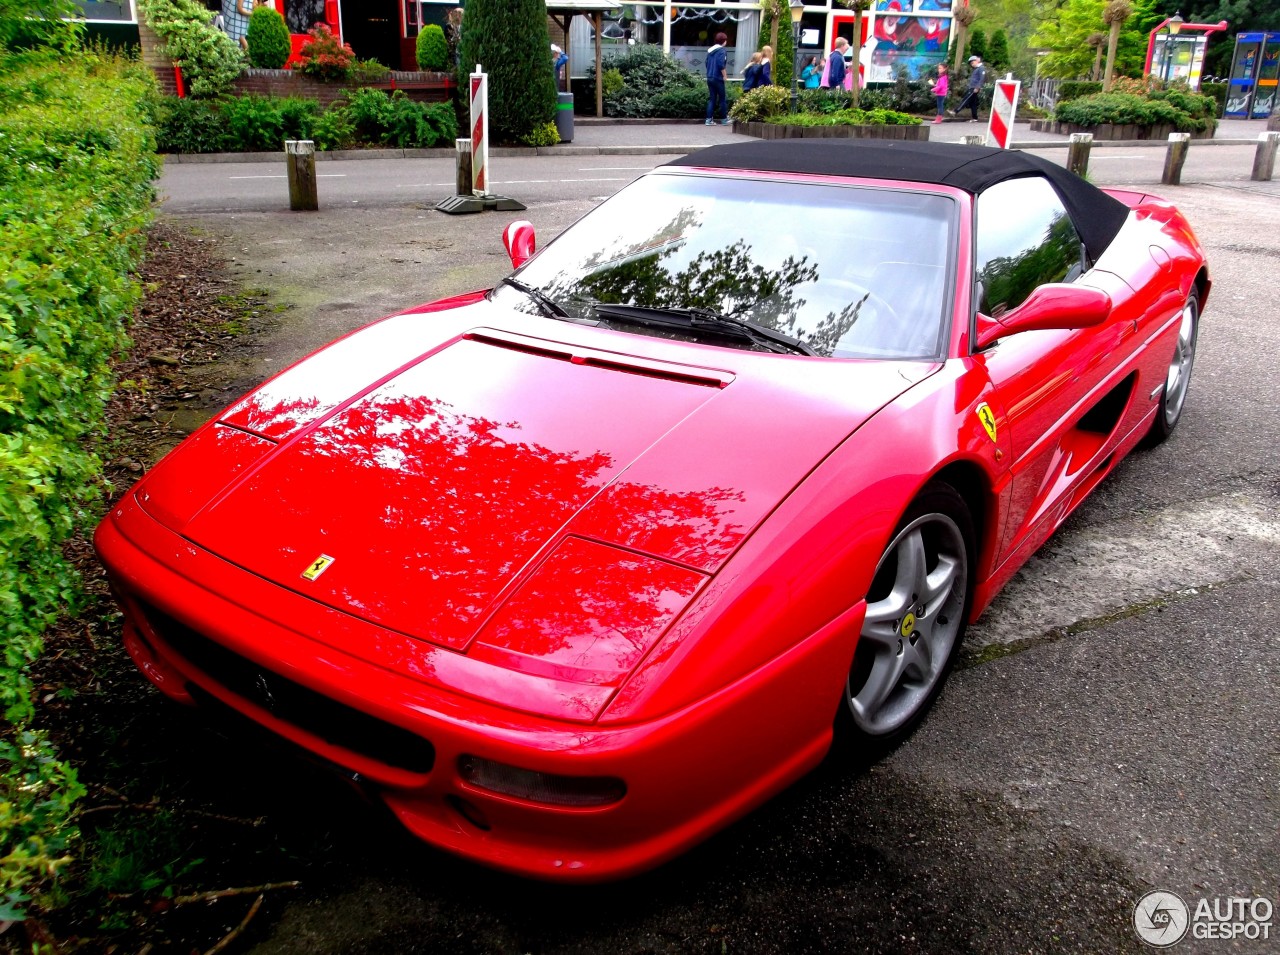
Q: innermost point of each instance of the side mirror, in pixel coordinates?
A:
(1049, 306)
(520, 242)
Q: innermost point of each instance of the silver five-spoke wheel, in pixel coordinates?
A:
(915, 617)
(1173, 394)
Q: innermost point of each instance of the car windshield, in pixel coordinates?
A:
(850, 272)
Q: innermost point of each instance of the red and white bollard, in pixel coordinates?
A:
(1004, 107)
(479, 131)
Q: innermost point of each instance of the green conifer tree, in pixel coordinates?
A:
(268, 39)
(509, 39)
(998, 52)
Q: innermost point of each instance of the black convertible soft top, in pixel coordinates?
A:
(1096, 215)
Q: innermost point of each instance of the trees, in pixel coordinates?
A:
(1066, 35)
(210, 59)
(508, 38)
(776, 19)
(998, 53)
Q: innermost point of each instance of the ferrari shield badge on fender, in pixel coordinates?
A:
(988, 420)
(317, 567)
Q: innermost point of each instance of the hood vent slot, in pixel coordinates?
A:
(612, 361)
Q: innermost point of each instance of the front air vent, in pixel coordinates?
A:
(314, 713)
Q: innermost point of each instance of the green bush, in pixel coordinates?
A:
(40, 24)
(190, 126)
(76, 164)
(210, 59)
(396, 120)
(1218, 93)
(1128, 109)
(268, 39)
(847, 117)
(364, 72)
(509, 37)
(334, 129)
(1074, 89)
(544, 135)
(324, 57)
(432, 50)
(262, 124)
(760, 103)
(652, 84)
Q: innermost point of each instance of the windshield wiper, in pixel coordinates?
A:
(703, 319)
(546, 304)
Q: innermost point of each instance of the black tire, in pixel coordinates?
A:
(920, 647)
(1173, 394)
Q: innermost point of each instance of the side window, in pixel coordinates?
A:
(1025, 238)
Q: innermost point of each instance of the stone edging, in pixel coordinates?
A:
(776, 131)
(1109, 132)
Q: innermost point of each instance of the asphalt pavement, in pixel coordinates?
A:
(1115, 728)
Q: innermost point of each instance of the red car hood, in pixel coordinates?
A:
(436, 477)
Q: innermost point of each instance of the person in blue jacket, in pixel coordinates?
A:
(717, 73)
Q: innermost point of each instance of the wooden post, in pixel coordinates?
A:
(300, 161)
(599, 69)
(462, 182)
(977, 139)
(1078, 153)
(1264, 160)
(1174, 157)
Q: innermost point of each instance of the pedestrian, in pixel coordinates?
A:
(235, 20)
(976, 79)
(717, 73)
(751, 74)
(766, 66)
(939, 89)
(811, 75)
(558, 59)
(835, 65)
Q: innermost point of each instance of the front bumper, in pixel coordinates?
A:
(204, 630)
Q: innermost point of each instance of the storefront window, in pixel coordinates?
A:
(302, 15)
(105, 10)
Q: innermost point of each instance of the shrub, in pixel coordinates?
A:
(76, 164)
(509, 37)
(761, 103)
(651, 84)
(432, 50)
(369, 71)
(268, 39)
(1126, 108)
(1218, 93)
(1074, 89)
(324, 57)
(262, 124)
(544, 135)
(40, 24)
(334, 129)
(847, 117)
(190, 126)
(210, 59)
(396, 120)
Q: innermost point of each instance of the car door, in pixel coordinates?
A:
(1055, 386)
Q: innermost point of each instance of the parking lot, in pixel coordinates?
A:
(1114, 729)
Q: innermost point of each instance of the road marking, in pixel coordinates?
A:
(323, 175)
(1128, 158)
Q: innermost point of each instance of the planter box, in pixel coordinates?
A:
(1114, 131)
(424, 87)
(776, 131)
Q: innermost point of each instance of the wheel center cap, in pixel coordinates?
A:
(908, 625)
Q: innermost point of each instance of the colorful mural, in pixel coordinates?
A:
(906, 35)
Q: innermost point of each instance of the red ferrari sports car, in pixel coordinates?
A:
(577, 570)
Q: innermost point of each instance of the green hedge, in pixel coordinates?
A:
(77, 159)
(1218, 93)
(1186, 112)
(848, 117)
(370, 117)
